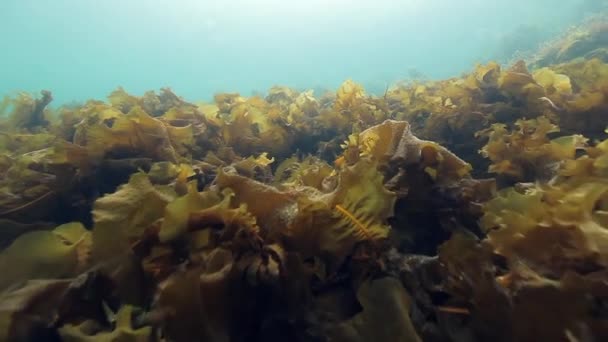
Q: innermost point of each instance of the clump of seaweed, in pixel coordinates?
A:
(586, 40)
(552, 239)
(28, 114)
(303, 218)
(527, 153)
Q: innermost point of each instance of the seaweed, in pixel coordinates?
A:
(29, 114)
(586, 40)
(527, 153)
(298, 217)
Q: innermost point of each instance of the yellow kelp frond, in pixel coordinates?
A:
(349, 96)
(380, 142)
(313, 172)
(393, 142)
(31, 183)
(587, 76)
(555, 240)
(226, 101)
(518, 82)
(166, 103)
(379, 298)
(164, 172)
(11, 230)
(309, 172)
(181, 139)
(554, 83)
(60, 253)
(23, 143)
(210, 112)
(123, 329)
(527, 153)
(332, 224)
(281, 95)
(515, 211)
(224, 156)
(234, 227)
(265, 202)
(303, 109)
(123, 101)
(36, 298)
(177, 213)
(198, 298)
(249, 130)
(585, 111)
(123, 215)
(484, 76)
(553, 230)
(594, 163)
(285, 169)
(28, 113)
(255, 167)
(136, 133)
(362, 202)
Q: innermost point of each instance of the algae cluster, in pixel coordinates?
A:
(473, 208)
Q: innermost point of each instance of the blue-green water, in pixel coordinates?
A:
(82, 49)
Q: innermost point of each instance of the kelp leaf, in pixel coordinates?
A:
(553, 228)
(309, 172)
(380, 299)
(393, 141)
(199, 299)
(123, 216)
(26, 310)
(122, 331)
(231, 220)
(44, 255)
(553, 82)
(122, 100)
(175, 222)
(265, 202)
(332, 224)
(181, 138)
(362, 201)
(12, 229)
(135, 132)
(349, 95)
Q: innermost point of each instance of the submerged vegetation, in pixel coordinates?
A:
(473, 208)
